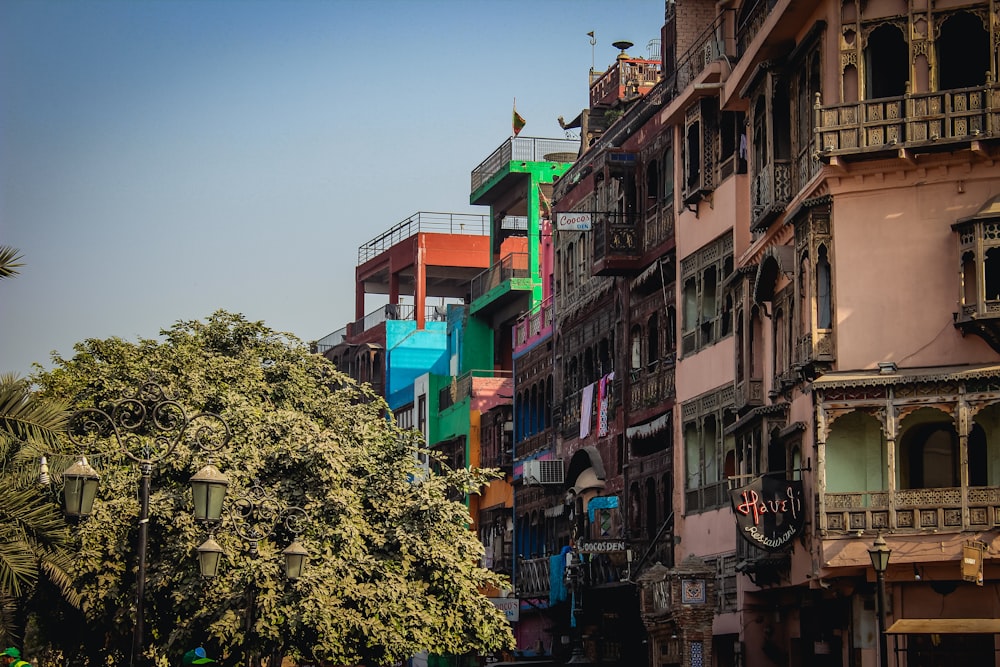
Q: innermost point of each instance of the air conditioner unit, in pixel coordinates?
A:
(543, 472)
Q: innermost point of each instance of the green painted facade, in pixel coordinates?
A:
(538, 173)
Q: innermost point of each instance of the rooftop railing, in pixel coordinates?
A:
(436, 223)
(330, 341)
(523, 149)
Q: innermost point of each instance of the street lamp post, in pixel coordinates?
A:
(146, 427)
(255, 516)
(879, 554)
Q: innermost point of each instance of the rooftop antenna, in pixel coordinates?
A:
(593, 43)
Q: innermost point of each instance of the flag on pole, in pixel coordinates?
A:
(517, 122)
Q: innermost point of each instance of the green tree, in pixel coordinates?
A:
(33, 536)
(393, 567)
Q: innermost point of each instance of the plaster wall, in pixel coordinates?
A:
(715, 217)
(706, 370)
(707, 533)
(896, 280)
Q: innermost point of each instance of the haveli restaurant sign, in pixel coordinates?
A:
(769, 511)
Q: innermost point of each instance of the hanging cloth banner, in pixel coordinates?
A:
(586, 407)
(769, 511)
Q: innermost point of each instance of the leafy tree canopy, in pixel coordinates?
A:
(393, 568)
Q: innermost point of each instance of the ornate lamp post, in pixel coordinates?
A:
(146, 427)
(255, 516)
(879, 554)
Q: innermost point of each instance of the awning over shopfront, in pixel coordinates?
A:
(945, 626)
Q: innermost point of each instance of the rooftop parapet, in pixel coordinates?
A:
(524, 149)
(428, 222)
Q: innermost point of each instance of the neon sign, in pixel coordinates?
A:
(769, 511)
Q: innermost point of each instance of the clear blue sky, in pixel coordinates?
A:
(160, 160)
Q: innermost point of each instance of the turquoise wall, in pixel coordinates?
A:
(411, 353)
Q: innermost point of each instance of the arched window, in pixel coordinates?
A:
(653, 340)
(651, 525)
(979, 465)
(652, 184)
(929, 456)
(992, 270)
(780, 358)
(886, 63)
(963, 51)
(690, 305)
(635, 348)
(969, 280)
(824, 297)
(756, 345)
(805, 309)
(710, 437)
(634, 509)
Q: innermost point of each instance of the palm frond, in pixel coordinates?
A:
(26, 417)
(57, 565)
(9, 263)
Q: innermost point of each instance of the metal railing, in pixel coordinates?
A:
(522, 149)
(330, 341)
(533, 577)
(428, 222)
(514, 265)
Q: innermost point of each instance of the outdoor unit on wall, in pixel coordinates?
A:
(543, 472)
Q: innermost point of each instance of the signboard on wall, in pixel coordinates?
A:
(573, 222)
(972, 562)
(769, 511)
(511, 608)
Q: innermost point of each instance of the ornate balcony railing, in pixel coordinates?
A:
(650, 387)
(706, 49)
(533, 577)
(916, 119)
(906, 510)
(659, 225)
(514, 265)
(750, 23)
(533, 323)
(771, 192)
(628, 76)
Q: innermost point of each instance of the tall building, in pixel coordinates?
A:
(791, 242)
(741, 346)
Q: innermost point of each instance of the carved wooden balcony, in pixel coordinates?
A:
(895, 125)
(617, 244)
(950, 509)
(771, 191)
(649, 387)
